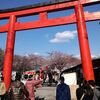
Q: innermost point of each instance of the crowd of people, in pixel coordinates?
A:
(19, 90)
(49, 78)
(88, 91)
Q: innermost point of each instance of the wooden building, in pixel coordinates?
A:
(79, 73)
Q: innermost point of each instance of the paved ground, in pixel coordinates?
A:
(49, 93)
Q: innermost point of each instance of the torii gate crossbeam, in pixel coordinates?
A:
(79, 17)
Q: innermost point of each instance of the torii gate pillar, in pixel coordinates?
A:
(8, 60)
(84, 44)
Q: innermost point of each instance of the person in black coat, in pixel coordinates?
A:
(84, 92)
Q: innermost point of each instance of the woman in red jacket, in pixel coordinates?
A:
(30, 85)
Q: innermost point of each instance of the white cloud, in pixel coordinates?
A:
(92, 56)
(77, 56)
(62, 37)
(36, 53)
(95, 55)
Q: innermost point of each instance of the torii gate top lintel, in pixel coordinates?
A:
(45, 4)
(68, 3)
(42, 10)
(35, 5)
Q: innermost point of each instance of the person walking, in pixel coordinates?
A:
(30, 85)
(17, 90)
(2, 89)
(63, 91)
(25, 77)
(79, 91)
(50, 77)
(84, 92)
(96, 90)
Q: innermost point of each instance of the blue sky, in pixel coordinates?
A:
(59, 38)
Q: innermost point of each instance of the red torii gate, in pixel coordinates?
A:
(79, 17)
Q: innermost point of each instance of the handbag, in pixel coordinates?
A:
(2, 88)
(82, 96)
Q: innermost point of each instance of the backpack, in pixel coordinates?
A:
(16, 88)
(17, 91)
(2, 88)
